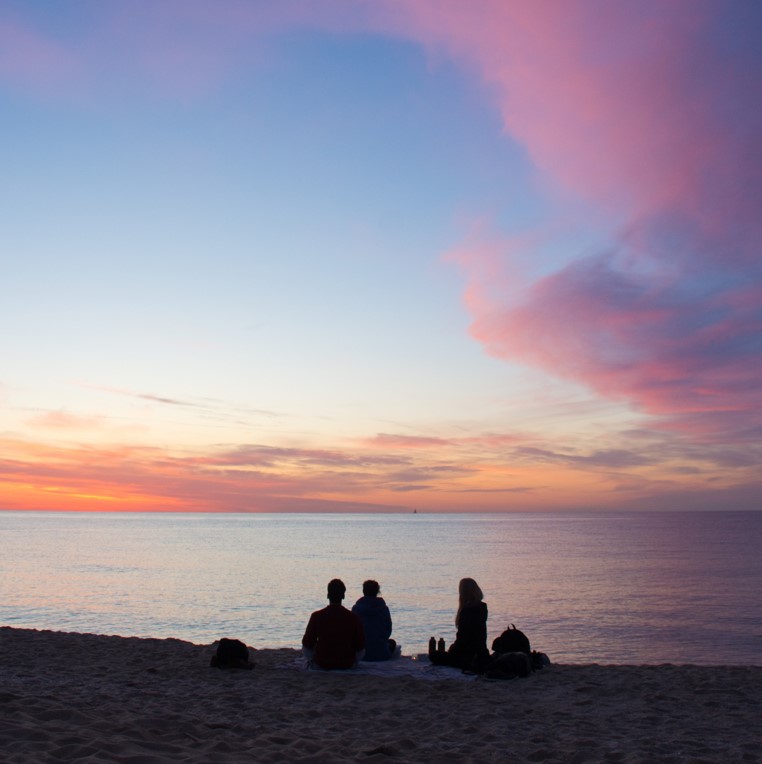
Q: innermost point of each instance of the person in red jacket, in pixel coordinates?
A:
(334, 638)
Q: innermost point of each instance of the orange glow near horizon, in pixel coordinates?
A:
(434, 476)
(20, 496)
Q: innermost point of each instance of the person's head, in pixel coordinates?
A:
(469, 593)
(336, 590)
(370, 588)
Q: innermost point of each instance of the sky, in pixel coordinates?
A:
(353, 256)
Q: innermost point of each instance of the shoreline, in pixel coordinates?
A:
(66, 697)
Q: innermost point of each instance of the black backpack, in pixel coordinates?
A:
(231, 653)
(511, 641)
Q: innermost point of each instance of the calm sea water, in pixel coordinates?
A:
(605, 588)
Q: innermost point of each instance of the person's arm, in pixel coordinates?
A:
(387, 622)
(310, 638)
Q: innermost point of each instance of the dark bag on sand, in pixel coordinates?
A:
(509, 666)
(513, 656)
(231, 653)
(511, 641)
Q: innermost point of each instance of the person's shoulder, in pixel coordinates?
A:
(314, 619)
(338, 611)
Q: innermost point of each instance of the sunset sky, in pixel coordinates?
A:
(380, 255)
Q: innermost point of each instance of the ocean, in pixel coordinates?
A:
(624, 588)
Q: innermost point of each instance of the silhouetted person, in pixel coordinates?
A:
(377, 623)
(334, 638)
(469, 650)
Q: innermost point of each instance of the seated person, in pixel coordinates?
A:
(377, 623)
(334, 638)
(469, 650)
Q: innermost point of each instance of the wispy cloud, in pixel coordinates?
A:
(213, 408)
(268, 456)
(403, 442)
(178, 50)
(31, 61)
(63, 420)
(257, 477)
(612, 458)
(141, 478)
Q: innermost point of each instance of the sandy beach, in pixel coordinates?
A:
(68, 697)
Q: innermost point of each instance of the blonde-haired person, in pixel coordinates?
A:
(469, 650)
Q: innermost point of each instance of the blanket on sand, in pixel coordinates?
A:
(405, 665)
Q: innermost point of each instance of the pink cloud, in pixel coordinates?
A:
(650, 112)
(632, 338)
(394, 443)
(144, 478)
(271, 456)
(403, 442)
(507, 471)
(32, 61)
(598, 92)
(62, 420)
(177, 49)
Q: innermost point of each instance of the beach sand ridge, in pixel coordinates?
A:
(68, 697)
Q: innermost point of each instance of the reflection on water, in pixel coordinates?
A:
(625, 588)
